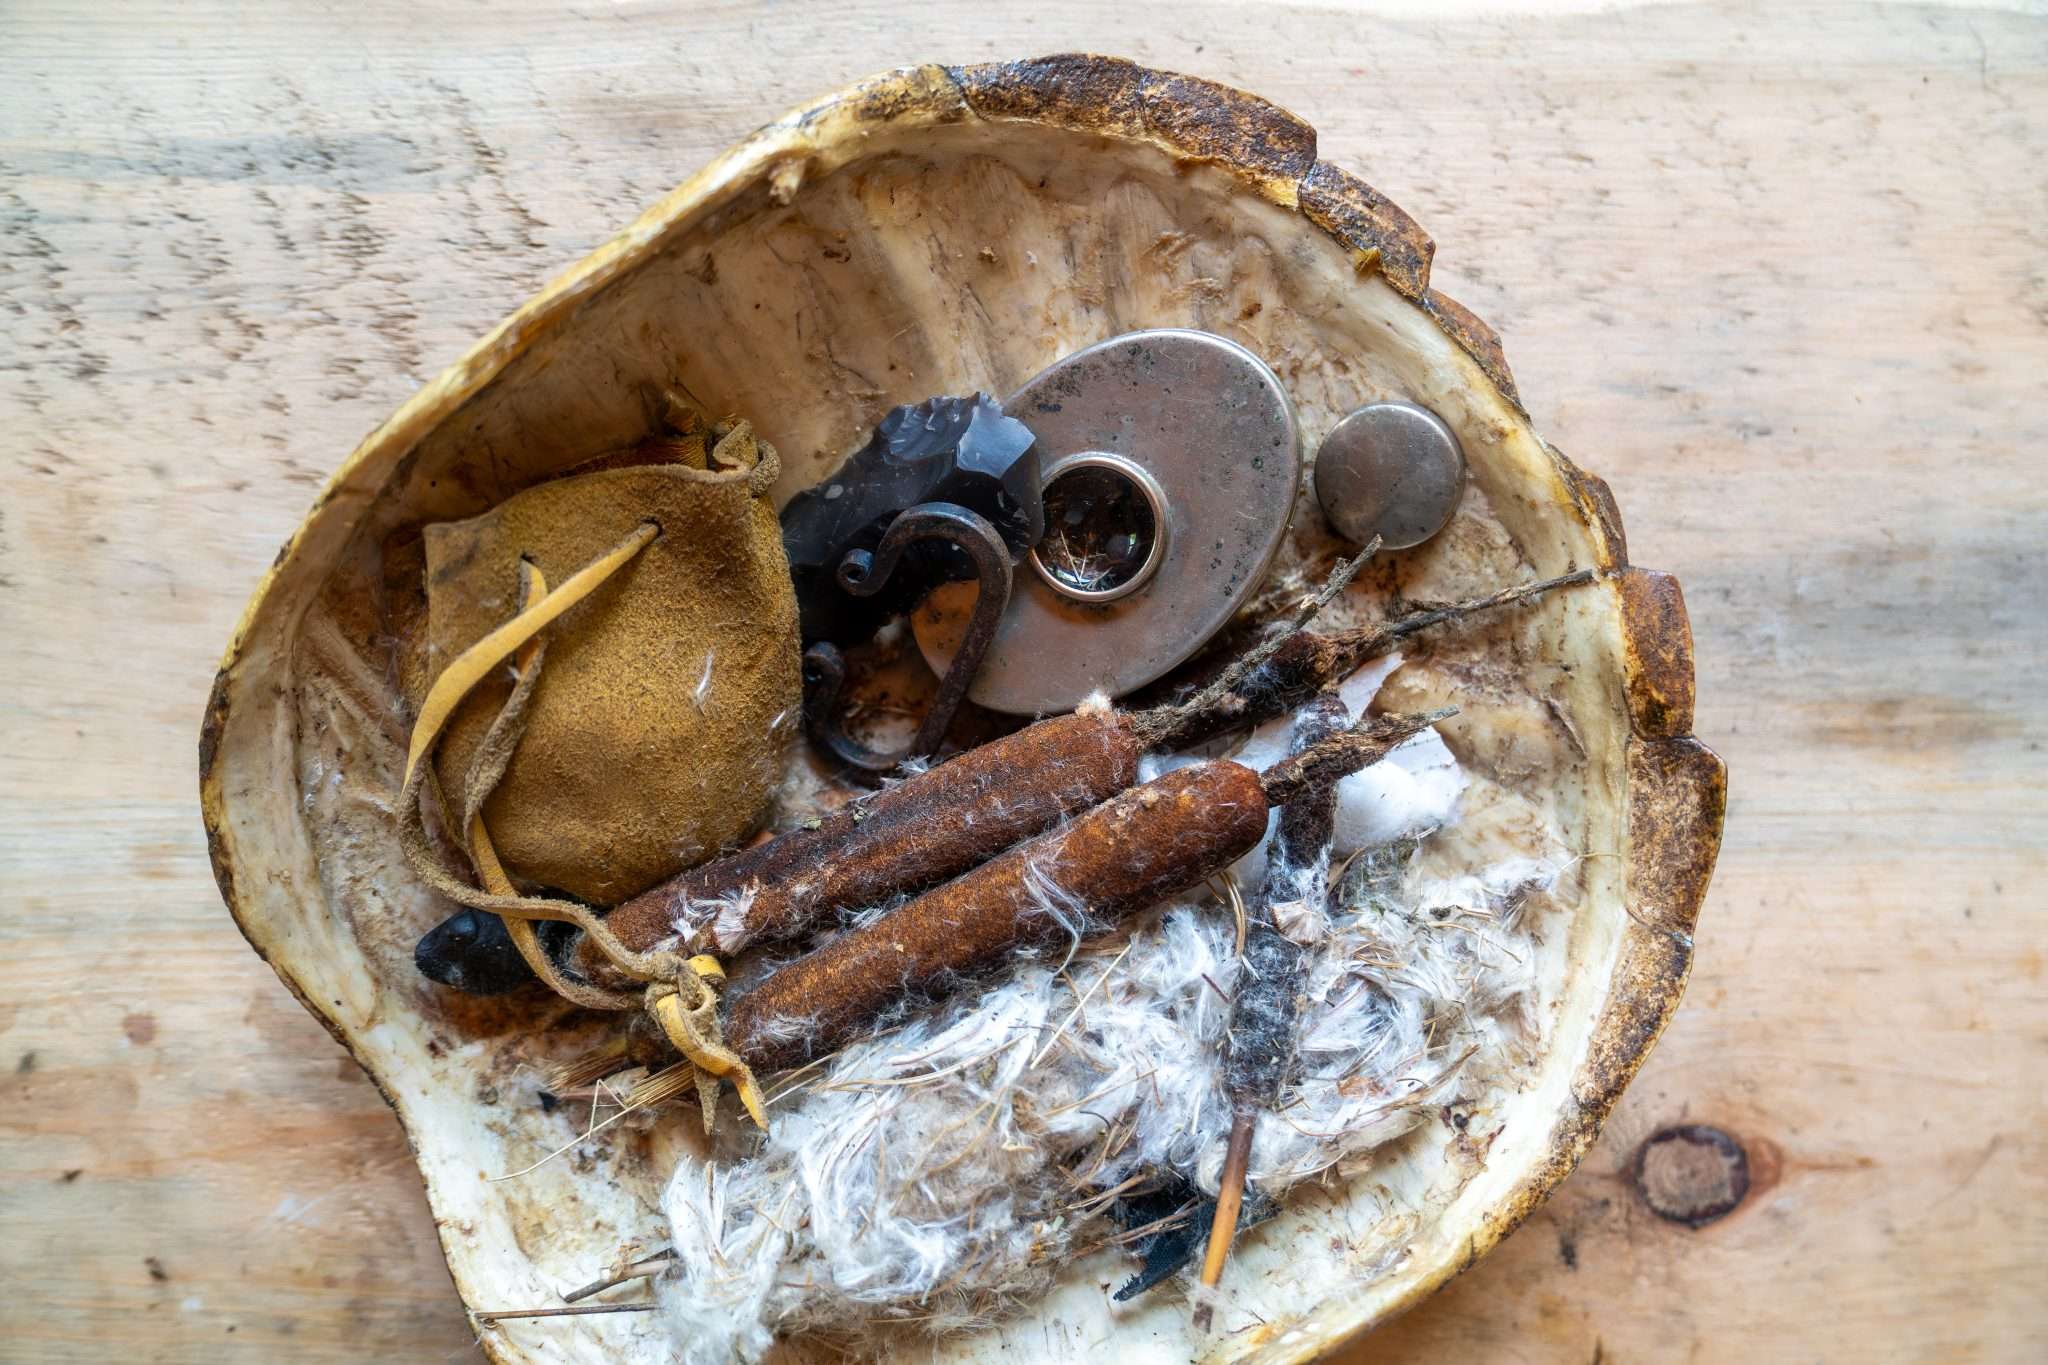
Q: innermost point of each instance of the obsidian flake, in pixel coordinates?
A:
(961, 450)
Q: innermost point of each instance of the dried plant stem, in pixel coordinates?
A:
(1296, 664)
(1166, 725)
(632, 1270)
(1368, 641)
(1229, 1199)
(608, 1059)
(568, 1311)
(907, 836)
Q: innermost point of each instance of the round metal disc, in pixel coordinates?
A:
(1391, 470)
(1212, 427)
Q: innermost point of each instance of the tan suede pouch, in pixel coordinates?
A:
(656, 732)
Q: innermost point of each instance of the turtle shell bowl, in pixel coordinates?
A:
(942, 230)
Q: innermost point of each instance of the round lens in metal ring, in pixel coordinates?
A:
(1105, 528)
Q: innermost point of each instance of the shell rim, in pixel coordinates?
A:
(1676, 787)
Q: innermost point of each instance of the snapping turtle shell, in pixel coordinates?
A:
(948, 229)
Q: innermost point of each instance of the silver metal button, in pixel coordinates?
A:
(1392, 470)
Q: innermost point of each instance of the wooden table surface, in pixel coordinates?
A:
(1779, 275)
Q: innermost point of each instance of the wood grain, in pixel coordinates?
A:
(1778, 275)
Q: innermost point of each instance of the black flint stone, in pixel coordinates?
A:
(472, 952)
(1167, 1251)
(961, 450)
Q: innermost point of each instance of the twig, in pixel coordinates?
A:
(1229, 1197)
(1439, 612)
(612, 1281)
(1294, 664)
(1162, 725)
(506, 1314)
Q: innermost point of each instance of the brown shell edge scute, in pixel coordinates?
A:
(1656, 642)
(1595, 501)
(1479, 341)
(1193, 117)
(1677, 797)
(1365, 220)
(213, 728)
(931, 90)
(1570, 1137)
(1214, 120)
(1072, 90)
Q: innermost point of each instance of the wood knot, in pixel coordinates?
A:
(1692, 1174)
